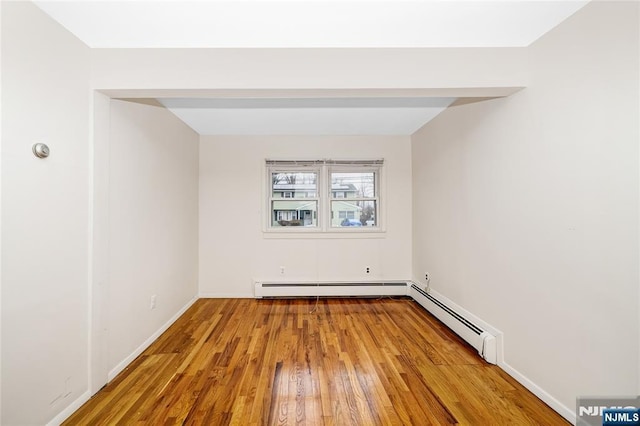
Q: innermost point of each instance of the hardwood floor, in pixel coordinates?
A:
(350, 362)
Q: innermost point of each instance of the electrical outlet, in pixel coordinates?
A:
(368, 269)
(282, 270)
(153, 302)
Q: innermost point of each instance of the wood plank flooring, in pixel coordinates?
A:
(350, 362)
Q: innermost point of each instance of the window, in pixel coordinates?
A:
(324, 195)
(355, 197)
(292, 212)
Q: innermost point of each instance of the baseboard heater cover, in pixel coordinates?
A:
(483, 341)
(336, 288)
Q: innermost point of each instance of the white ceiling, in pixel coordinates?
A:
(308, 24)
(326, 116)
(303, 23)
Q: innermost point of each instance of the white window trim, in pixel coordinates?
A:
(324, 228)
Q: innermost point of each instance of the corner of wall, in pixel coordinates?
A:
(152, 239)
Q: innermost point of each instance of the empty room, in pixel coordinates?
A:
(320, 212)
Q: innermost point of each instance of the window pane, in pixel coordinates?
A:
(353, 213)
(353, 185)
(294, 213)
(294, 185)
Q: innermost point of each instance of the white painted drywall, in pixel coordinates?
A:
(526, 208)
(352, 69)
(153, 223)
(45, 98)
(0, 218)
(234, 250)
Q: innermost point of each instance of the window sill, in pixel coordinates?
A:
(320, 234)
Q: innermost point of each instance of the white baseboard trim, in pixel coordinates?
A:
(556, 405)
(70, 409)
(128, 360)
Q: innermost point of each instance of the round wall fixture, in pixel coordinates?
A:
(40, 150)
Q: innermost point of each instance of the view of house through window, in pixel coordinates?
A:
(301, 190)
(356, 192)
(324, 194)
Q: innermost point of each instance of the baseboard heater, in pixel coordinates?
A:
(333, 289)
(483, 341)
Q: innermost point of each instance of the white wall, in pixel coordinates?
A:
(234, 251)
(526, 209)
(0, 219)
(352, 69)
(153, 224)
(45, 229)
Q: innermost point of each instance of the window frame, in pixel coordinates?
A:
(324, 195)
